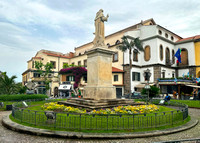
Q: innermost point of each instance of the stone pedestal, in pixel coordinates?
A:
(99, 75)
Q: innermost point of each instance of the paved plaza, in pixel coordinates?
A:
(8, 136)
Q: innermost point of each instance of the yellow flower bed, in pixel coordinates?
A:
(128, 110)
(53, 106)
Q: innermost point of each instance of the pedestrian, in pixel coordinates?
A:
(195, 92)
(174, 94)
(167, 98)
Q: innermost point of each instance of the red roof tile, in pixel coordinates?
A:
(116, 70)
(189, 38)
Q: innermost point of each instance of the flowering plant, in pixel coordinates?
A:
(53, 106)
(77, 72)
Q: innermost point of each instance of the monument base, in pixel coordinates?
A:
(100, 92)
(90, 104)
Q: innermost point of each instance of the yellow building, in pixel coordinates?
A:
(197, 55)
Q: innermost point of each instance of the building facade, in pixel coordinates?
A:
(160, 46)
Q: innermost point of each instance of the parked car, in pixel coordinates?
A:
(134, 95)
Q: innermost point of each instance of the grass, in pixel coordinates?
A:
(35, 104)
(99, 123)
(190, 103)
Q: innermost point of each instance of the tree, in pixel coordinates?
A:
(153, 91)
(135, 45)
(7, 85)
(44, 70)
(20, 88)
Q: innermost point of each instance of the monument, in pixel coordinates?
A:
(99, 65)
(99, 91)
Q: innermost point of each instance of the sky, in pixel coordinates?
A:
(27, 26)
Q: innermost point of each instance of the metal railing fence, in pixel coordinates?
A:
(76, 121)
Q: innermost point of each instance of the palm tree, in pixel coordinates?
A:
(135, 45)
(7, 85)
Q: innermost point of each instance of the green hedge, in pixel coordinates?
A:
(21, 97)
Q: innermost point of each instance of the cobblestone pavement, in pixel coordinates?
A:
(8, 136)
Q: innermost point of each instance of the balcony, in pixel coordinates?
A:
(37, 78)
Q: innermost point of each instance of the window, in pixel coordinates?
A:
(160, 32)
(70, 78)
(85, 63)
(173, 75)
(117, 42)
(73, 63)
(163, 74)
(161, 52)
(115, 57)
(36, 75)
(167, 55)
(173, 57)
(135, 55)
(166, 35)
(184, 57)
(115, 77)
(172, 38)
(53, 63)
(32, 64)
(79, 63)
(135, 76)
(147, 54)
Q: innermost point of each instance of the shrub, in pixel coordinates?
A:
(21, 97)
(152, 92)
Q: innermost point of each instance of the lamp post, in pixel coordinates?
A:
(147, 76)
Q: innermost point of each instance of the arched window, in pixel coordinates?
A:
(184, 57)
(167, 55)
(147, 53)
(160, 32)
(173, 57)
(161, 52)
(135, 55)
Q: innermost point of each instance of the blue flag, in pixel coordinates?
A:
(178, 55)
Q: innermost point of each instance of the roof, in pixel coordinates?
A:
(170, 31)
(36, 58)
(189, 38)
(124, 30)
(56, 55)
(116, 70)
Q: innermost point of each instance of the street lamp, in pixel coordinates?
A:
(147, 76)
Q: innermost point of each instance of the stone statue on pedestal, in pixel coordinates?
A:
(99, 29)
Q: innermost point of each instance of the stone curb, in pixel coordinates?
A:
(65, 134)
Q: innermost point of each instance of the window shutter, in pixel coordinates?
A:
(133, 76)
(138, 76)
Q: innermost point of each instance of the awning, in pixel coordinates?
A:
(64, 87)
(140, 86)
(143, 85)
(194, 86)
